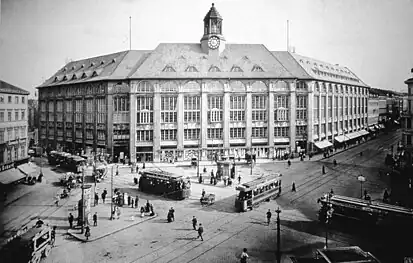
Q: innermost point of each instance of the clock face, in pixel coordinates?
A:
(213, 42)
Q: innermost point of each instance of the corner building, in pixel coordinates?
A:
(171, 102)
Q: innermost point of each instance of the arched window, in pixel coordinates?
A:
(168, 69)
(236, 69)
(214, 69)
(191, 69)
(145, 86)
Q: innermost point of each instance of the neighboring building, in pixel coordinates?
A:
(407, 125)
(373, 110)
(221, 98)
(33, 118)
(13, 126)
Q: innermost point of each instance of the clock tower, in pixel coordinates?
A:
(213, 42)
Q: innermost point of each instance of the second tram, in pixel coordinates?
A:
(164, 183)
(256, 191)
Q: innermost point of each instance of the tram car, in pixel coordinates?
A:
(254, 192)
(367, 211)
(165, 183)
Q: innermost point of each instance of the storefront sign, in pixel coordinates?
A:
(5, 167)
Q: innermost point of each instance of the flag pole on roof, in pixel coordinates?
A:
(130, 33)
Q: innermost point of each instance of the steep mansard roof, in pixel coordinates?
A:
(11, 89)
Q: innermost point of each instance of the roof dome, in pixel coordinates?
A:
(212, 13)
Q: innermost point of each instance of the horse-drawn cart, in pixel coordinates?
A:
(208, 199)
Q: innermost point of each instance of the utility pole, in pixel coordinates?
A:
(278, 211)
(111, 195)
(83, 200)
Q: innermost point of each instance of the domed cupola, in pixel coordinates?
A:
(212, 38)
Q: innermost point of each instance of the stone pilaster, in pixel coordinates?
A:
(132, 127)
(109, 121)
(204, 116)
(248, 117)
(320, 119)
(310, 117)
(180, 120)
(156, 123)
(271, 120)
(226, 115)
(292, 117)
(333, 123)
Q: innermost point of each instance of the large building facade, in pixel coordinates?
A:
(206, 98)
(407, 125)
(13, 126)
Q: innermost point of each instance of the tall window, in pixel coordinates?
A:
(69, 110)
(214, 133)
(323, 107)
(237, 133)
(78, 111)
(16, 115)
(50, 110)
(192, 109)
(145, 110)
(120, 103)
(301, 110)
(301, 130)
(351, 106)
(168, 109)
(259, 108)
(191, 134)
(89, 111)
(215, 108)
(59, 110)
(144, 135)
(1, 116)
(330, 107)
(259, 132)
(237, 104)
(2, 138)
(346, 106)
(336, 106)
(359, 105)
(323, 128)
(316, 105)
(281, 111)
(101, 110)
(282, 132)
(9, 115)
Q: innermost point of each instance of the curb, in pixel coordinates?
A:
(83, 239)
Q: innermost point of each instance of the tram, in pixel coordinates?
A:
(256, 191)
(165, 183)
(374, 212)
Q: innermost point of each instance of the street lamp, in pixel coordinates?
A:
(329, 213)
(83, 201)
(111, 195)
(361, 179)
(278, 211)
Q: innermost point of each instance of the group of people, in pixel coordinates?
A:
(148, 208)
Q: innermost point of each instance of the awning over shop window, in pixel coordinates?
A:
(364, 132)
(340, 138)
(26, 169)
(381, 126)
(372, 128)
(323, 144)
(11, 176)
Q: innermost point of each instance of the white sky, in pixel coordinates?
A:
(374, 38)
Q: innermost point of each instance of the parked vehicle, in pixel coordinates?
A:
(164, 183)
(30, 244)
(252, 193)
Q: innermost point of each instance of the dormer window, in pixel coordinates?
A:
(94, 74)
(246, 58)
(224, 57)
(204, 57)
(64, 78)
(84, 75)
(257, 68)
(74, 77)
(73, 68)
(83, 65)
(191, 69)
(236, 69)
(214, 69)
(182, 57)
(114, 60)
(102, 62)
(92, 64)
(56, 79)
(168, 69)
(64, 69)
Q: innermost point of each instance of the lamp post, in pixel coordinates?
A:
(111, 194)
(83, 201)
(197, 172)
(329, 213)
(278, 211)
(361, 179)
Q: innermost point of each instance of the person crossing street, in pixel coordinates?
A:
(200, 232)
(269, 216)
(194, 222)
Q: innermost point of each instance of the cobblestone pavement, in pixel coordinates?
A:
(227, 232)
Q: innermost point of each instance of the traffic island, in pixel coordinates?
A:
(108, 227)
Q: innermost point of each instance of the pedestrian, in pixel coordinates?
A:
(323, 170)
(239, 179)
(103, 196)
(365, 194)
(269, 216)
(225, 181)
(96, 199)
(87, 232)
(172, 212)
(331, 192)
(95, 219)
(200, 231)
(57, 199)
(289, 163)
(137, 201)
(118, 212)
(142, 211)
(71, 218)
(129, 200)
(293, 187)
(244, 256)
(203, 193)
(132, 201)
(334, 162)
(194, 222)
(386, 196)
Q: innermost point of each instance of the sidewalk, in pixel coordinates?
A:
(106, 226)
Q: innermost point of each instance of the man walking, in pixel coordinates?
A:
(194, 222)
(200, 231)
(244, 256)
(71, 218)
(269, 216)
(104, 193)
(137, 201)
(95, 219)
(96, 199)
(239, 179)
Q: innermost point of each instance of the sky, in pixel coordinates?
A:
(373, 38)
